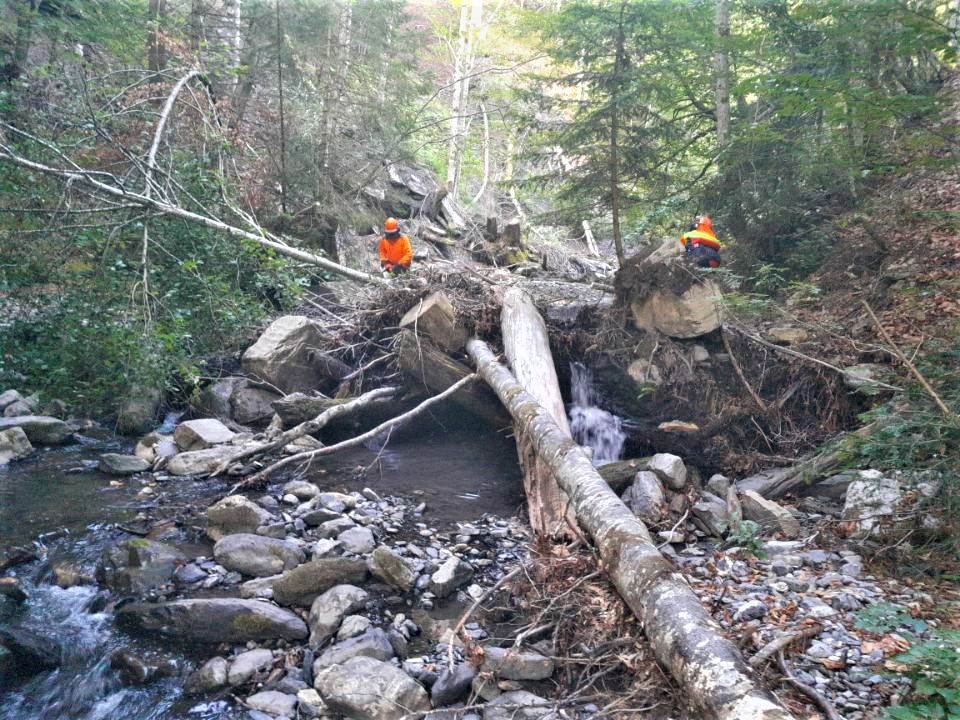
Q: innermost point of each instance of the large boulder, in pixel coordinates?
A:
(329, 610)
(670, 469)
(285, 356)
(298, 407)
(246, 665)
(204, 462)
(252, 406)
(435, 317)
(256, 555)
(302, 584)
(229, 620)
(664, 293)
(215, 398)
(139, 565)
(235, 514)
(14, 444)
(30, 651)
(367, 689)
(39, 429)
(8, 398)
(711, 514)
(139, 410)
(454, 573)
(201, 434)
(374, 643)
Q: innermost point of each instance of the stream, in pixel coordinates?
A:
(58, 501)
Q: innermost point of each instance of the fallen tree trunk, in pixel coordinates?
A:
(527, 347)
(419, 359)
(620, 474)
(684, 637)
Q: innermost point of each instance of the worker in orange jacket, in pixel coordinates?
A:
(701, 244)
(396, 254)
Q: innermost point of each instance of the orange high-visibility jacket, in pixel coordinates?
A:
(703, 235)
(396, 252)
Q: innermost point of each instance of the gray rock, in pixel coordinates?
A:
(517, 705)
(215, 397)
(257, 555)
(817, 608)
(20, 407)
(213, 620)
(750, 610)
(310, 704)
(454, 573)
(453, 685)
(711, 514)
(298, 407)
(252, 406)
(670, 469)
(871, 500)
(367, 689)
(319, 516)
(352, 626)
(832, 488)
(211, 676)
(768, 514)
(235, 514)
(329, 610)
(302, 584)
(645, 498)
(9, 397)
(139, 410)
(136, 566)
(155, 445)
(10, 588)
(285, 356)
(204, 462)
(39, 429)
(718, 485)
(333, 528)
(515, 664)
(273, 703)
(372, 644)
(31, 651)
(14, 444)
(391, 568)
(357, 540)
(301, 489)
(188, 574)
(114, 464)
(201, 434)
(259, 587)
(245, 665)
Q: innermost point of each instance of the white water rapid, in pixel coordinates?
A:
(590, 425)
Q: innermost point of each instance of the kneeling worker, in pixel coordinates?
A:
(396, 254)
(701, 244)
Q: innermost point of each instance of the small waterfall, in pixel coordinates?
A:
(591, 426)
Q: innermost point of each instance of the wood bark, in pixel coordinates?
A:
(156, 48)
(19, 50)
(418, 358)
(527, 347)
(88, 178)
(614, 139)
(685, 638)
(283, 126)
(721, 68)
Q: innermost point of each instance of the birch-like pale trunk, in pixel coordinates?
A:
(721, 68)
(686, 639)
(527, 347)
(456, 104)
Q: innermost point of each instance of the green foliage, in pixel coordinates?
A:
(884, 617)
(934, 667)
(746, 534)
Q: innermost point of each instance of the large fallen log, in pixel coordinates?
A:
(527, 347)
(435, 371)
(685, 638)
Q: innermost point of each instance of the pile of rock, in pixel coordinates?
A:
(21, 429)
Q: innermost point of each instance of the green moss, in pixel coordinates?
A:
(251, 626)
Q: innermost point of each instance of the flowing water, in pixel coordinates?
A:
(590, 425)
(58, 502)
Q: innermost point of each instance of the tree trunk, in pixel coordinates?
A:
(614, 133)
(195, 29)
(486, 154)
(527, 347)
(685, 638)
(235, 10)
(470, 25)
(283, 127)
(156, 50)
(25, 13)
(721, 67)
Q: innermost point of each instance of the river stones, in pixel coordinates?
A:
(139, 410)
(517, 705)
(235, 514)
(273, 703)
(711, 514)
(252, 405)
(139, 565)
(357, 540)
(645, 498)
(670, 469)
(116, 464)
(329, 610)
(204, 462)
(215, 620)
(14, 444)
(392, 569)
(245, 665)
(769, 515)
(368, 689)
(201, 434)
(155, 445)
(211, 676)
(31, 652)
(8, 398)
(453, 685)
(39, 429)
(256, 555)
(453, 574)
(302, 584)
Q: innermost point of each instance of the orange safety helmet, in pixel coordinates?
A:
(391, 225)
(704, 223)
